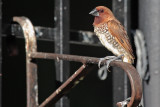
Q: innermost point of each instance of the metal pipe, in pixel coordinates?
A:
(59, 57)
(61, 43)
(149, 17)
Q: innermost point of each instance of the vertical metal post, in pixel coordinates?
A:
(31, 68)
(0, 53)
(61, 42)
(149, 16)
(32, 86)
(121, 10)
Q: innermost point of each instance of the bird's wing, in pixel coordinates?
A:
(118, 31)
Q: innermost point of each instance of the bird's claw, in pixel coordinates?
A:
(100, 60)
(102, 72)
(113, 59)
(125, 102)
(105, 58)
(109, 60)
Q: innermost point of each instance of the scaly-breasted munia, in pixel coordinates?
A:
(112, 34)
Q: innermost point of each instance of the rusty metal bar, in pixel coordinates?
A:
(133, 75)
(136, 84)
(31, 68)
(59, 57)
(70, 83)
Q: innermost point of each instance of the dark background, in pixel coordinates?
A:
(91, 92)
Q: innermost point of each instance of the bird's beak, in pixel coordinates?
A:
(94, 12)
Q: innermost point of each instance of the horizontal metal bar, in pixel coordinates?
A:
(133, 75)
(48, 33)
(58, 57)
(87, 37)
(45, 33)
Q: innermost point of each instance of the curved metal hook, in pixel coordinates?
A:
(29, 33)
(31, 68)
(135, 81)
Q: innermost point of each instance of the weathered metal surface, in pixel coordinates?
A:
(135, 81)
(29, 34)
(69, 84)
(32, 85)
(48, 34)
(61, 36)
(59, 57)
(61, 43)
(42, 33)
(31, 68)
(133, 75)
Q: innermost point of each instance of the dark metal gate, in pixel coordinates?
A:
(60, 35)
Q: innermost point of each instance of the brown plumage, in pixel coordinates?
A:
(111, 33)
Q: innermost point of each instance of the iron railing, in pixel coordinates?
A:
(87, 65)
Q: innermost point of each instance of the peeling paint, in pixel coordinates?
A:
(58, 91)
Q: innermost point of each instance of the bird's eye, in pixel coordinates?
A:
(101, 10)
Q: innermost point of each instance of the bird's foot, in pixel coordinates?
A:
(113, 59)
(109, 60)
(125, 102)
(102, 72)
(105, 58)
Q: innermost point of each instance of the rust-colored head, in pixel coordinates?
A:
(102, 14)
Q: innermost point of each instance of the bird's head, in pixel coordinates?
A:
(102, 14)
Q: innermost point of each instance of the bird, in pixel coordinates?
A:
(112, 35)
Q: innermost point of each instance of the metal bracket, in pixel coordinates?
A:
(32, 86)
(135, 79)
